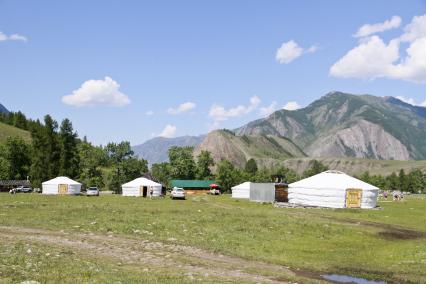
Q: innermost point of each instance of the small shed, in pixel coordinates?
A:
(193, 186)
(262, 192)
(141, 187)
(62, 186)
(333, 189)
(242, 190)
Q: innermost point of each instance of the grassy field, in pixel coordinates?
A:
(282, 244)
(7, 130)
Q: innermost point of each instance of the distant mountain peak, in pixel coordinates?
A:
(3, 109)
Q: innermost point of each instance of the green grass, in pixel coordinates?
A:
(8, 131)
(24, 262)
(318, 240)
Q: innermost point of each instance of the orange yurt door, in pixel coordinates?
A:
(63, 189)
(353, 197)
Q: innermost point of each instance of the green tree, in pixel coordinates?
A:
(251, 167)
(315, 168)
(91, 160)
(4, 163)
(262, 175)
(182, 162)
(227, 175)
(392, 182)
(132, 168)
(162, 172)
(18, 155)
(53, 150)
(126, 167)
(288, 175)
(39, 159)
(204, 163)
(404, 182)
(69, 160)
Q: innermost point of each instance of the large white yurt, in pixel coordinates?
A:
(61, 185)
(241, 190)
(141, 187)
(333, 189)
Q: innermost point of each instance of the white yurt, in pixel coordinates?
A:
(141, 187)
(241, 190)
(61, 185)
(333, 189)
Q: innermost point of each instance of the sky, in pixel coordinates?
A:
(134, 70)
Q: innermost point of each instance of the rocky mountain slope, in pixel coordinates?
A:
(265, 149)
(156, 150)
(345, 125)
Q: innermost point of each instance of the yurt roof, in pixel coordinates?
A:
(141, 182)
(61, 180)
(332, 180)
(244, 185)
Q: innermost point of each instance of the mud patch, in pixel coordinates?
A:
(399, 234)
(390, 232)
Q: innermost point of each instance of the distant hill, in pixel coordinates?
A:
(356, 166)
(11, 131)
(156, 150)
(346, 125)
(265, 149)
(3, 109)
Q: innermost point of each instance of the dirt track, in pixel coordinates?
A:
(151, 254)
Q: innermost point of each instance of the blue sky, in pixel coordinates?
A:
(121, 69)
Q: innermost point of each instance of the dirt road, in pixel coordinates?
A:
(145, 253)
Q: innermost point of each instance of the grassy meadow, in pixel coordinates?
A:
(387, 244)
(10, 131)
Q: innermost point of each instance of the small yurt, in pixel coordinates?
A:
(141, 187)
(61, 185)
(241, 190)
(333, 189)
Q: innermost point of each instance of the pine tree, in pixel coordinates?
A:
(69, 160)
(53, 150)
(251, 167)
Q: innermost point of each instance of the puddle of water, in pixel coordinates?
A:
(349, 279)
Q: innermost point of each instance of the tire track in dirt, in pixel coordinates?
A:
(151, 254)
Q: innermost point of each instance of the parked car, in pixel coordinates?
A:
(92, 191)
(23, 189)
(177, 193)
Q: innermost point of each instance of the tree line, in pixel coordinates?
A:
(57, 150)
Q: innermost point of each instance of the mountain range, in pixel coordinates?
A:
(156, 150)
(336, 125)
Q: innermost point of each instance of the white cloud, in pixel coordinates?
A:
(169, 131)
(416, 29)
(219, 113)
(15, 37)
(97, 93)
(182, 108)
(290, 50)
(368, 29)
(149, 113)
(265, 111)
(411, 101)
(291, 106)
(312, 48)
(373, 58)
